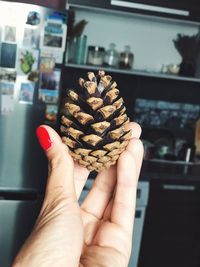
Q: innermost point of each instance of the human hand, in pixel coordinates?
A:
(99, 233)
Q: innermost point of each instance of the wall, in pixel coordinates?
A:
(150, 39)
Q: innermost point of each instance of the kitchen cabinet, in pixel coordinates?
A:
(137, 84)
(181, 10)
(171, 231)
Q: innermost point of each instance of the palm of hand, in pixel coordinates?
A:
(107, 235)
(105, 244)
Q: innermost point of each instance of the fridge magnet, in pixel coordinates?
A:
(50, 80)
(49, 96)
(34, 76)
(7, 97)
(8, 55)
(9, 34)
(47, 64)
(31, 38)
(26, 93)
(33, 18)
(27, 61)
(51, 113)
(8, 75)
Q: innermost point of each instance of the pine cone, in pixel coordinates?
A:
(93, 122)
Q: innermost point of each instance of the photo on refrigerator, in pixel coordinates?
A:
(7, 97)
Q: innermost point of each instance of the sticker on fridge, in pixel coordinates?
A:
(26, 93)
(7, 97)
(27, 61)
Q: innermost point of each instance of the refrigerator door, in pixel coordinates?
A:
(16, 221)
(22, 161)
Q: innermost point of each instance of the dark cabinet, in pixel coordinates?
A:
(171, 234)
(188, 10)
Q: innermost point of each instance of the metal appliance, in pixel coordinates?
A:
(23, 168)
(141, 204)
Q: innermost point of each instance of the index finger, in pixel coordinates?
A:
(124, 203)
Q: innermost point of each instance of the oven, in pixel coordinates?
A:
(141, 204)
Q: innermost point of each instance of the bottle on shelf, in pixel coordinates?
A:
(126, 58)
(111, 58)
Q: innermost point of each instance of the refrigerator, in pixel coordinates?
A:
(32, 47)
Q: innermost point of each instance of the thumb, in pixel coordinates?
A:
(60, 183)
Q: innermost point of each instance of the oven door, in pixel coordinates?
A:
(137, 235)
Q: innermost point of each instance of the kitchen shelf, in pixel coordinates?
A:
(130, 13)
(134, 72)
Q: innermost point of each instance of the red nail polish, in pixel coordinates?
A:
(44, 138)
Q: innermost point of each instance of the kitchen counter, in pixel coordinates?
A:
(155, 169)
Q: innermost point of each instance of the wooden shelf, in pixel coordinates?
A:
(134, 72)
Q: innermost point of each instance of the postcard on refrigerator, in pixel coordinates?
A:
(27, 61)
(8, 55)
(9, 34)
(26, 93)
(47, 64)
(8, 75)
(49, 96)
(51, 80)
(54, 35)
(31, 38)
(7, 97)
(7, 88)
(54, 53)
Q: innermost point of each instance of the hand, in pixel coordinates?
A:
(99, 233)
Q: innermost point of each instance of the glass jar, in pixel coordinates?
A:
(95, 55)
(126, 58)
(111, 58)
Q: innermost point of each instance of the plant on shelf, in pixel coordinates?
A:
(189, 49)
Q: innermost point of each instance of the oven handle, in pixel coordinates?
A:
(138, 213)
(176, 187)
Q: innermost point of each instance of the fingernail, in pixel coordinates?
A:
(44, 138)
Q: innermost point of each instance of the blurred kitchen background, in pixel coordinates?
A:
(152, 49)
(153, 53)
